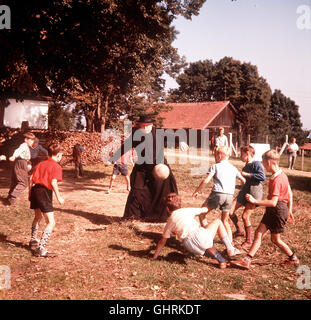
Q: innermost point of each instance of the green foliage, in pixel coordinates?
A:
(285, 119)
(95, 53)
(60, 118)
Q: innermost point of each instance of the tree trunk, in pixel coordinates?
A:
(90, 118)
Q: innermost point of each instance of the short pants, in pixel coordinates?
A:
(41, 198)
(120, 168)
(254, 190)
(221, 200)
(275, 217)
(199, 241)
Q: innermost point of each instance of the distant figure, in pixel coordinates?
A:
(221, 140)
(38, 153)
(20, 172)
(77, 159)
(292, 149)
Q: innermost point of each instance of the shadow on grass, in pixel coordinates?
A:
(172, 257)
(3, 239)
(87, 174)
(4, 200)
(92, 217)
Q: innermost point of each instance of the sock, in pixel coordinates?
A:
(219, 257)
(45, 237)
(34, 232)
(216, 255)
(227, 243)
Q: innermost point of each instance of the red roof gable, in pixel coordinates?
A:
(306, 146)
(194, 115)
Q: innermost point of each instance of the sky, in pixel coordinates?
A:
(274, 35)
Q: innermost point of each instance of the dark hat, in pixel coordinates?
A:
(145, 119)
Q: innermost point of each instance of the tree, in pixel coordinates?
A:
(60, 118)
(284, 119)
(104, 46)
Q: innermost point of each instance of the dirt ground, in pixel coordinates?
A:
(92, 265)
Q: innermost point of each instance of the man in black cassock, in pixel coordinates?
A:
(146, 200)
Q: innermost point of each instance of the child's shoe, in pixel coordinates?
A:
(109, 191)
(33, 244)
(242, 263)
(233, 253)
(44, 253)
(294, 261)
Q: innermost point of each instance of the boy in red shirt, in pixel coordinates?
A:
(43, 182)
(279, 207)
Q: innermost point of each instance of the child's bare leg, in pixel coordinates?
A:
(113, 177)
(276, 239)
(239, 230)
(225, 220)
(218, 227)
(247, 224)
(260, 231)
(202, 216)
(245, 263)
(128, 183)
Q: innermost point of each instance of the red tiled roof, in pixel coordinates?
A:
(306, 146)
(194, 115)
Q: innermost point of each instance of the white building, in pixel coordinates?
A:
(33, 111)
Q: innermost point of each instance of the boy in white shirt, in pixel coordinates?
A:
(224, 175)
(196, 239)
(21, 158)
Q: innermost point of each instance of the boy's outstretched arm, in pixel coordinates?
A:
(159, 247)
(265, 203)
(204, 182)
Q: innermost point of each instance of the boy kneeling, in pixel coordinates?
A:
(187, 229)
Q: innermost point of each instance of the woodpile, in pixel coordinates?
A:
(96, 149)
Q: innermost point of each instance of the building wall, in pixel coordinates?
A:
(33, 111)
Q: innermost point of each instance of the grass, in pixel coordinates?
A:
(104, 257)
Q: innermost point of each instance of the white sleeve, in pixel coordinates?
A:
(212, 170)
(22, 148)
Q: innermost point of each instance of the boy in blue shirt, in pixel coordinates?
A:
(254, 173)
(224, 175)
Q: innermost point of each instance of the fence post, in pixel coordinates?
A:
(302, 158)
